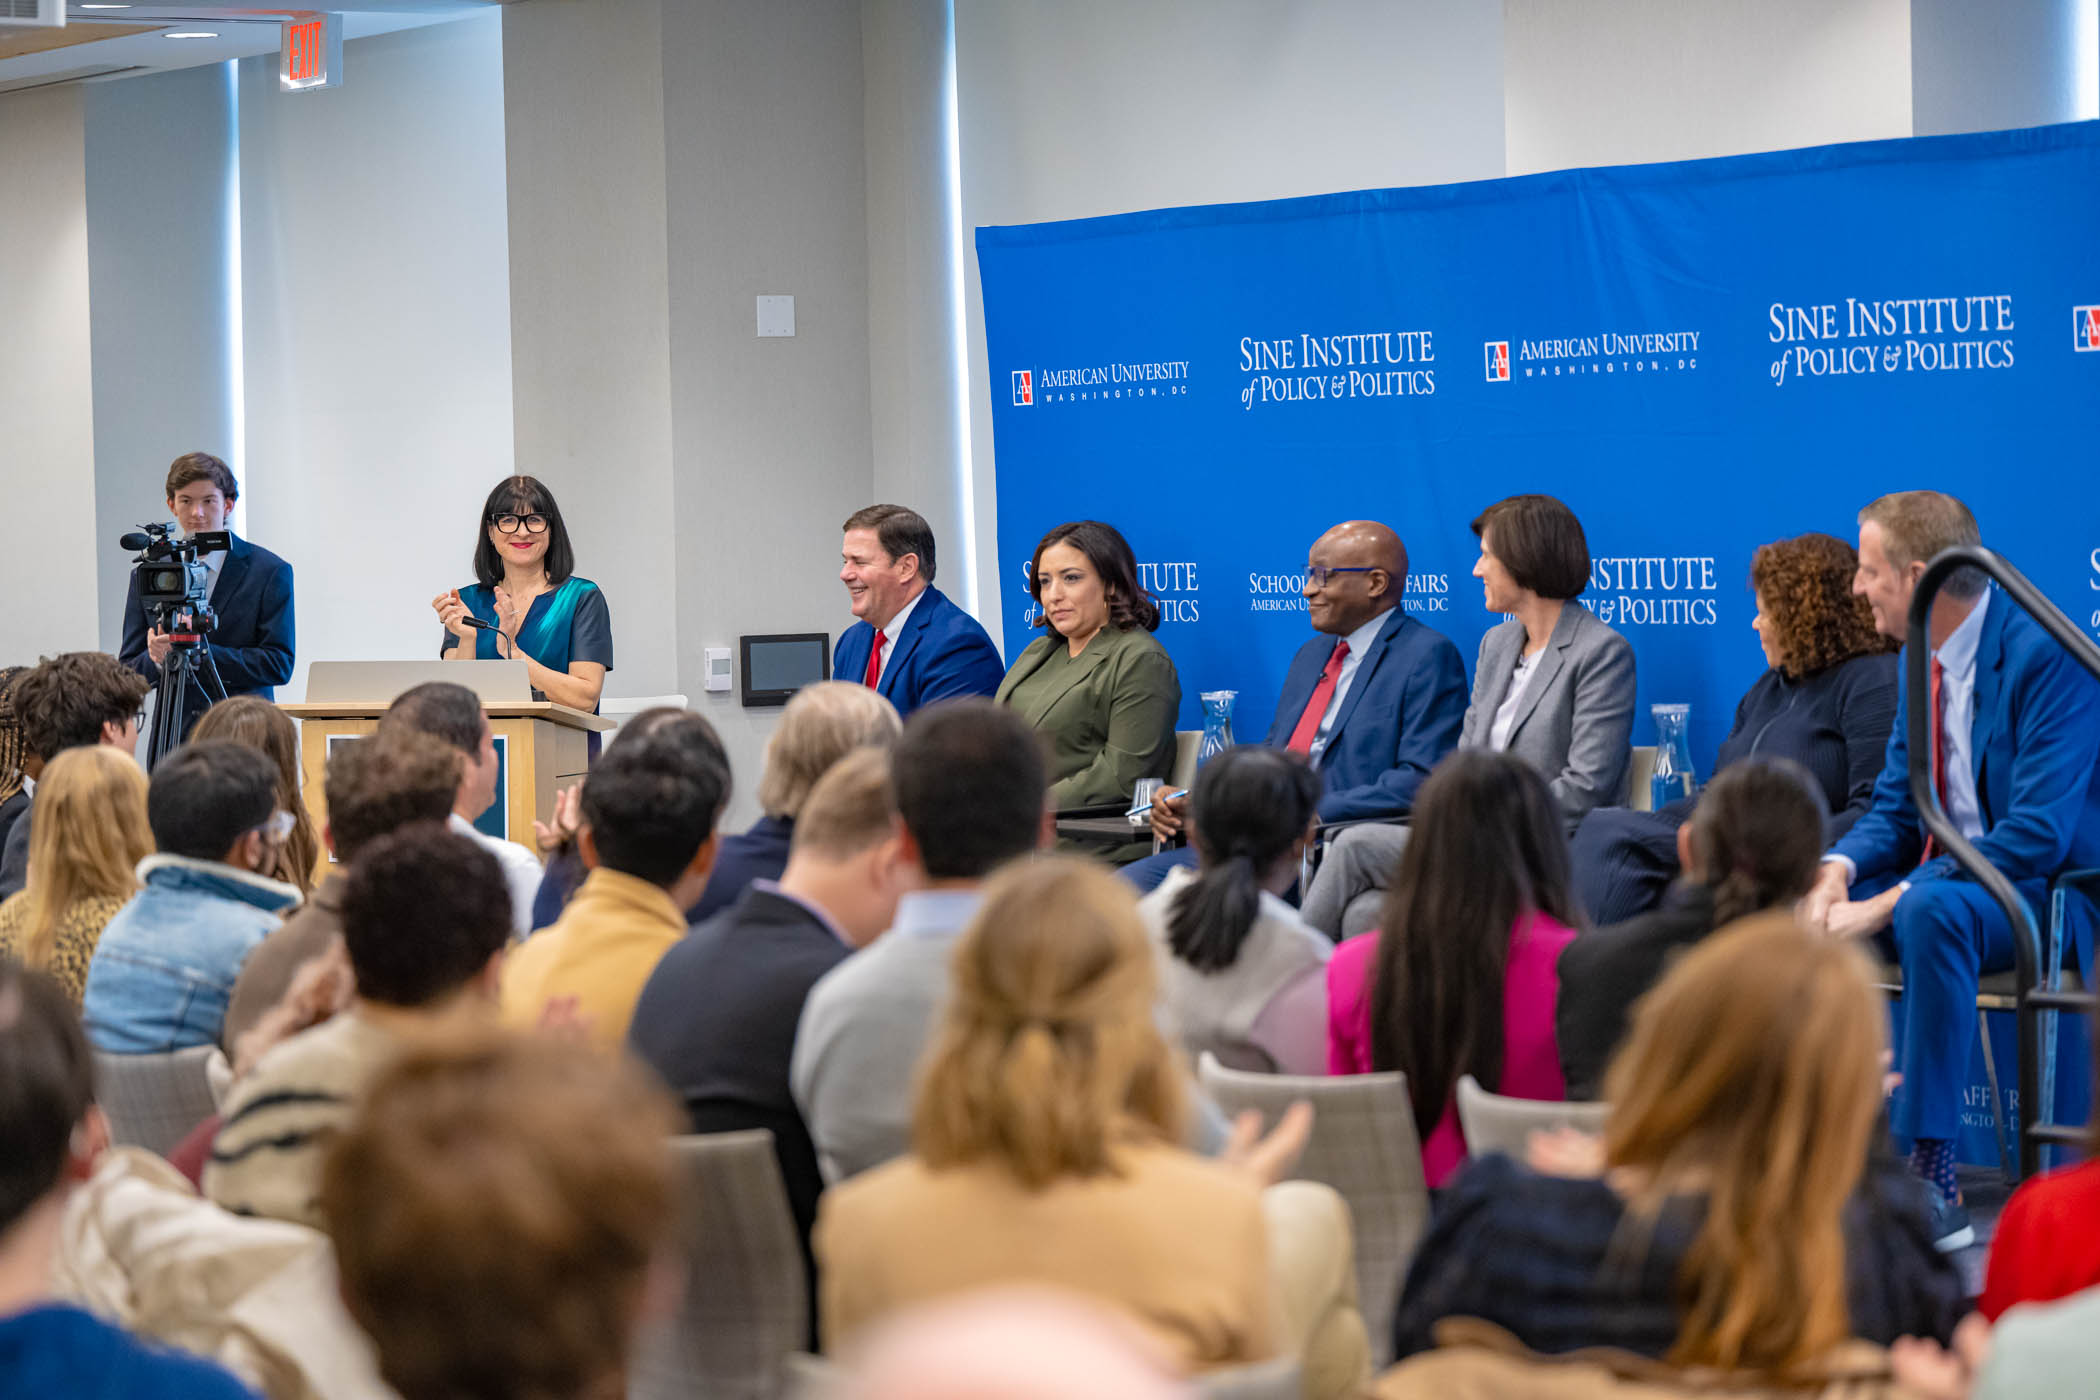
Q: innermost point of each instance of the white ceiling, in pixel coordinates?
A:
(242, 27)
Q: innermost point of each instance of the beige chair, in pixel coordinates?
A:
(1364, 1146)
(153, 1101)
(814, 1378)
(1495, 1123)
(1638, 771)
(746, 1304)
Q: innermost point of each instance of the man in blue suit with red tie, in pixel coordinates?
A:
(2016, 751)
(911, 644)
(1374, 702)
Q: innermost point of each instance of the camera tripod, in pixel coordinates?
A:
(189, 664)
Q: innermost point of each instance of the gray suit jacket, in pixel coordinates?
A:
(1575, 721)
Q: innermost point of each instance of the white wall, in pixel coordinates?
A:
(1607, 82)
(765, 192)
(47, 428)
(377, 330)
(590, 305)
(160, 164)
(2010, 63)
(1099, 106)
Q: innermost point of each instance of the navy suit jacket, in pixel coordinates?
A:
(2035, 745)
(1402, 714)
(253, 643)
(943, 653)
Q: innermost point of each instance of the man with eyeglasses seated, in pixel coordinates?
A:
(68, 701)
(164, 969)
(1373, 703)
(527, 602)
(251, 640)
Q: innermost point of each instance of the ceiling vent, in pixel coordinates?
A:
(49, 14)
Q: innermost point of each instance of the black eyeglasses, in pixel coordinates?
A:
(1319, 574)
(508, 523)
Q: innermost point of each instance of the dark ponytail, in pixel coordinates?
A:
(1250, 805)
(1757, 836)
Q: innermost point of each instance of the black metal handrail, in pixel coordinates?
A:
(2036, 1001)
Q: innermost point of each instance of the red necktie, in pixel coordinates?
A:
(1316, 703)
(875, 660)
(1939, 752)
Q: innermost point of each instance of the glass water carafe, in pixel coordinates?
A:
(1672, 777)
(1217, 724)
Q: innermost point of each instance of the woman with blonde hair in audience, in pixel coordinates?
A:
(89, 837)
(821, 725)
(1045, 1142)
(1731, 1219)
(251, 720)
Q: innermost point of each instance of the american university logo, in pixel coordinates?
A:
(1498, 361)
(2085, 328)
(1024, 388)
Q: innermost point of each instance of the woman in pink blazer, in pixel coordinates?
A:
(1476, 921)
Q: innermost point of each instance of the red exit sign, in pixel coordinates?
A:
(313, 52)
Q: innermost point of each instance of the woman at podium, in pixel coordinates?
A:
(527, 603)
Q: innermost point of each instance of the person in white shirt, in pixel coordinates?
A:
(453, 713)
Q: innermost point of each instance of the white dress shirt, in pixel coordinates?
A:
(1506, 712)
(890, 633)
(1957, 658)
(521, 871)
(1359, 642)
(214, 564)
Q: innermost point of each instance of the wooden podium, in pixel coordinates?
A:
(546, 747)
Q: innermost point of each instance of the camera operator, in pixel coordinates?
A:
(250, 594)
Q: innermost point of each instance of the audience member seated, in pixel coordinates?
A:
(2047, 1245)
(14, 791)
(251, 720)
(1552, 685)
(648, 840)
(453, 713)
(1826, 702)
(2039, 1349)
(1241, 975)
(1044, 1142)
(751, 967)
(1752, 844)
(500, 1208)
(907, 642)
(821, 724)
(1729, 1218)
(1460, 978)
(557, 836)
(83, 863)
(1098, 686)
(425, 920)
(67, 702)
(2016, 725)
(374, 785)
(969, 783)
(1375, 701)
(164, 970)
(54, 1133)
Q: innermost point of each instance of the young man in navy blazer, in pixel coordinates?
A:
(251, 592)
(1374, 702)
(911, 644)
(2017, 764)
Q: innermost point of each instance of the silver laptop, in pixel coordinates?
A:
(378, 682)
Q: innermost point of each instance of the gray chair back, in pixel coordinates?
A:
(1363, 1145)
(153, 1101)
(746, 1305)
(1493, 1123)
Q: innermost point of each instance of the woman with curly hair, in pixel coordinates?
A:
(1826, 702)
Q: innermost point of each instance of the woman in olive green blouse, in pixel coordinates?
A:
(1098, 684)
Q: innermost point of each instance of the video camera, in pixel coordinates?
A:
(170, 578)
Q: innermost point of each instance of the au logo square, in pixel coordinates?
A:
(1024, 387)
(1498, 361)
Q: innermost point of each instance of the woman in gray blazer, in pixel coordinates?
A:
(1552, 685)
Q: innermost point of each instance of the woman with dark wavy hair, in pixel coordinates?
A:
(1097, 685)
(1827, 702)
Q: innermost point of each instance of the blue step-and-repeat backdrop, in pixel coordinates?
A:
(1697, 357)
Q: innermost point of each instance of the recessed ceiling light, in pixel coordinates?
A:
(194, 34)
